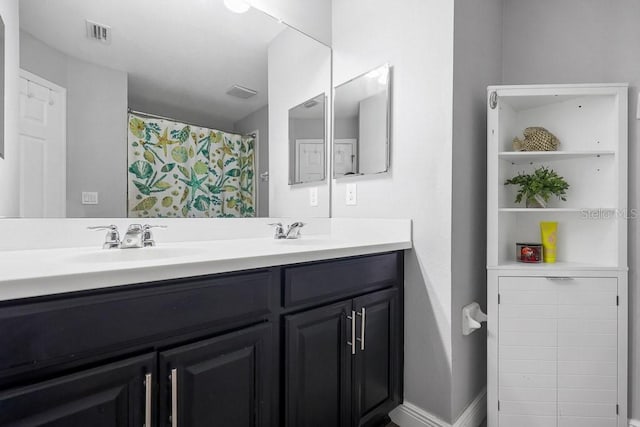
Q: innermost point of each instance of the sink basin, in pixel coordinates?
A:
(133, 255)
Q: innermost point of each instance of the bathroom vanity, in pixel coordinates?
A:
(309, 343)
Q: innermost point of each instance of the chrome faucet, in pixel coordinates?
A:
(139, 236)
(112, 239)
(293, 230)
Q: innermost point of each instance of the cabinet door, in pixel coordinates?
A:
(222, 381)
(588, 352)
(108, 396)
(558, 352)
(378, 358)
(318, 367)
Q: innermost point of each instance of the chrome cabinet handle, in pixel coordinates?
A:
(363, 325)
(352, 343)
(148, 389)
(564, 278)
(174, 397)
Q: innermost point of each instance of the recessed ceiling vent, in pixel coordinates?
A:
(310, 103)
(99, 32)
(241, 92)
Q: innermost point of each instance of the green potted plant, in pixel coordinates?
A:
(538, 187)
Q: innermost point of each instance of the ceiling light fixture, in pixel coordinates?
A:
(237, 6)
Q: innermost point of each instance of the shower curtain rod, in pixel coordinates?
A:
(156, 116)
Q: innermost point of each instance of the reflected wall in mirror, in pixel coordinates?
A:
(307, 141)
(2, 83)
(161, 111)
(361, 124)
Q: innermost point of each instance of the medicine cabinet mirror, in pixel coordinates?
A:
(307, 141)
(361, 124)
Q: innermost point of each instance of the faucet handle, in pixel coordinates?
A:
(149, 226)
(279, 230)
(147, 237)
(293, 230)
(112, 239)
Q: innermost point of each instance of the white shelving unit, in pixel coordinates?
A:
(557, 333)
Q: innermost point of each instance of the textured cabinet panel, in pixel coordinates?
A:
(557, 351)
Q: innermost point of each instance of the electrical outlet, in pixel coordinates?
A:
(313, 196)
(351, 194)
(89, 198)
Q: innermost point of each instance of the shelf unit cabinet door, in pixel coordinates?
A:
(108, 396)
(527, 352)
(587, 352)
(318, 367)
(377, 367)
(558, 352)
(222, 381)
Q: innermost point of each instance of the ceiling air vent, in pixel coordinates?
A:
(310, 103)
(99, 32)
(241, 92)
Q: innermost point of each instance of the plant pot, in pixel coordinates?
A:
(535, 202)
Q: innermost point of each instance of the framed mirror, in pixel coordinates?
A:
(2, 83)
(162, 111)
(361, 115)
(307, 141)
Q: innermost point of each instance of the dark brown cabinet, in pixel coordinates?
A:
(304, 345)
(221, 381)
(343, 362)
(317, 367)
(110, 395)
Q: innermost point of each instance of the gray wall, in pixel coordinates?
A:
(259, 120)
(96, 126)
(346, 128)
(476, 64)
(585, 41)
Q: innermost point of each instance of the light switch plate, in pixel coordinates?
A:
(351, 194)
(313, 196)
(89, 198)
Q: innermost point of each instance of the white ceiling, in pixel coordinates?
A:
(182, 53)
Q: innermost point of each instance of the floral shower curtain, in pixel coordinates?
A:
(177, 170)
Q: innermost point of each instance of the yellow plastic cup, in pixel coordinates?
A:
(549, 232)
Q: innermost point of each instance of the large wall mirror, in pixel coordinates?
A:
(307, 141)
(148, 108)
(361, 124)
(2, 83)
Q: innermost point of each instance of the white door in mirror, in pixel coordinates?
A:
(42, 148)
(351, 194)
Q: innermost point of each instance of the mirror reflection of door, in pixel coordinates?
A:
(309, 160)
(307, 144)
(345, 157)
(42, 148)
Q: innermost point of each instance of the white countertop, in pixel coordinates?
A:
(36, 272)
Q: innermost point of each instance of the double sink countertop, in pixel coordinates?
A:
(35, 272)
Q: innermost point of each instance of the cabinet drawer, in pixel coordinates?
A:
(326, 281)
(33, 334)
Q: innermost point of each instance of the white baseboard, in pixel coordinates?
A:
(410, 415)
(634, 423)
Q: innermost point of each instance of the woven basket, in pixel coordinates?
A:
(536, 139)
